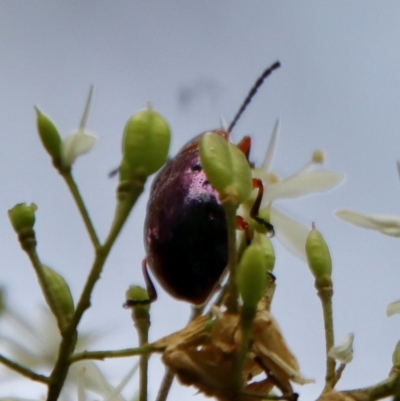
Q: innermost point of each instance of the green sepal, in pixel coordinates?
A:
(226, 167)
(58, 296)
(145, 144)
(49, 136)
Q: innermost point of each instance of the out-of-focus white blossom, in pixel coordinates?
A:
(37, 348)
(385, 224)
(393, 308)
(388, 225)
(343, 352)
(291, 233)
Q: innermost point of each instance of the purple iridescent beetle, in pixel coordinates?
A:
(185, 232)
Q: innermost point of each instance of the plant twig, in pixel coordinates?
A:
(230, 213)
(81, 206)
(23, 370)
(325, 293)
(165, 385)
(122, 353)
(128, 193)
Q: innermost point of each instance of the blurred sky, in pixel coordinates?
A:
(338, 90)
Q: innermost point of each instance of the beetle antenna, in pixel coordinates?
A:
(252, 92)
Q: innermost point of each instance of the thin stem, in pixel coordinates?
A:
(23, 370)
(141, 318)
(230, 213)
(101, 355)
(124, 207)
(165, 385)
(81, 206)
(127, 194)
(386, 388)
(169, 375)
(338, 373)
(246, 323)
(325, 293)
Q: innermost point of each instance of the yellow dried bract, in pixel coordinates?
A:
(335, 396)
(203, 355)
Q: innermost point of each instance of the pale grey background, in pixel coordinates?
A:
(338, 90)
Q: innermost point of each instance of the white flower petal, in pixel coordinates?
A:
(266, 164)
(393, 308)
(75, 144)
(223, 124)
(124, 382)
(85, 114)
(388, 225)
(343, 352)
(91, 378)
(302, 184)
(81, 385)
(291, 233)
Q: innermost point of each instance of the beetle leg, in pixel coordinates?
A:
(284, 387)
(151, 290)
(242, 224)
(257, 183)
(244, 145)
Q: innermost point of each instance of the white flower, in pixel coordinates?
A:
(343, 353)
(306, 181)
(393, 308)
(79, 141)
(385, 224)
(388, 225)
(37, 348)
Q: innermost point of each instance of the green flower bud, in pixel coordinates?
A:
(252, 276)
(124, 170)
(22, 216)
(266, 245)
(396, 356)
(58, 296)
(138, 300)
(318, 256)
(49, 136)
(145, 143)
(226, 167)
(137, 294)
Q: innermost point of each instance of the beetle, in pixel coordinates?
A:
(185, 230)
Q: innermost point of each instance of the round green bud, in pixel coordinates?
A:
(252, 276)
(226, 167)
(318, 256)
(137, 298)
(58, 296)
(49, 136)
(22, 216)
(145, 143)
(136, 293)
(396, 356)
(266, 245)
